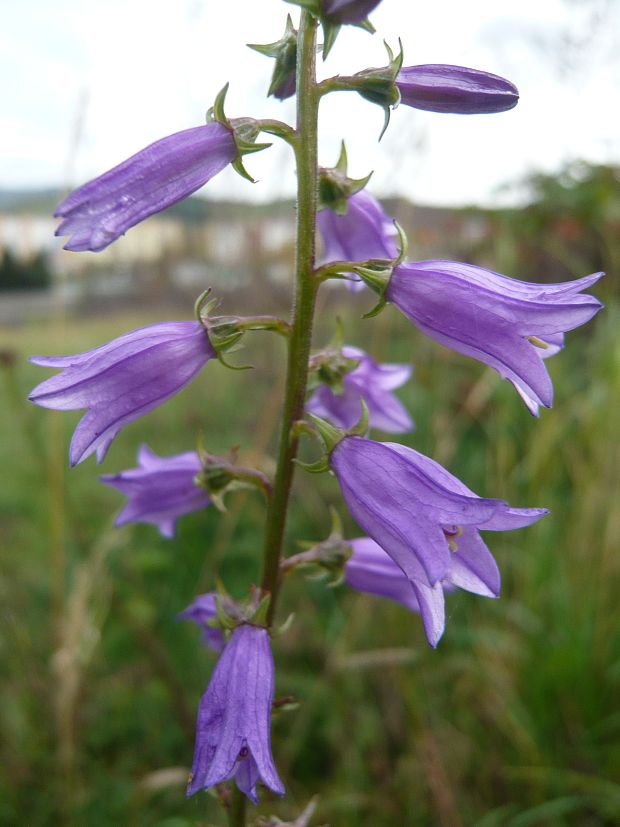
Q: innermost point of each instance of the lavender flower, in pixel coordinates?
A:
(347, 11)
(365, 231)
(122, 380)
(413, 508)
(371, 382)
(97, 213)
(471, 567)
(232, 732)
(200, 611)
(508, 324)
(455, 89)
(160, 490)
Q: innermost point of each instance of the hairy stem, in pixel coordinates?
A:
(304, 302)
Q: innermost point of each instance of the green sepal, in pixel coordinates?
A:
(379, 85)
(259, 617)
(376, 275)
(403, 245)
(318, 467)
(329, 366)
(245, 131)
(225, 621)
(283, 628)
(330, 435)
(225, 363)
(330, 33)
(335, 187)
(367, 26)
(216, 112)
(376, 309)
(284, 51)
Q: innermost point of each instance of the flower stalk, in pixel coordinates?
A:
(303, 308)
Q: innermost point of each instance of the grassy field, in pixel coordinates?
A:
(513, 721)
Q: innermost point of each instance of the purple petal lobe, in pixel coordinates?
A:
(347, 11)
(370, 569)
(232, 732)
(507, 324)
(159, 490)
(473, 567)
(402, 507)
(372, 383)
(455, 89)
(165, 172)
(432, 609)
(200, 611)
(365, 231)
(122, 380)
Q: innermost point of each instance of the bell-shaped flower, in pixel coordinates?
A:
(365, 231)
(200, 611)
(97, 213)
(455, 89)
(339, 401)
(159, 490)
(347, 11)
(232, 731)
(413, 508)
(508, 324)
(122, 380)
(471, 567)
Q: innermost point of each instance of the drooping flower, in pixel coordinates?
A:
(97, 213)
(347, 11)
(471, 567)
(232, 731)
(370, 381)
(365, 231)
(200, 611)
(159, 490)
(413, 508)
(455, 89)
(508, 324)
(122, 380)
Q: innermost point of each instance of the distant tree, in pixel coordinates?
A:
(571, 225)
(16, 274)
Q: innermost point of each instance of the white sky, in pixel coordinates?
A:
(123, 73)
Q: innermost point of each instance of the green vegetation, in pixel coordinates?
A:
(512, 722)
(16, 274)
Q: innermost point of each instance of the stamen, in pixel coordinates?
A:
(534, 340)
(452, 534)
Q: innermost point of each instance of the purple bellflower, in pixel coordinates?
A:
(159, 490)
(347, 11)
(97, 213)
(365, 231)
(455, 89)
(122, 380)
(415, 509)
(200, 611)
(472, 568)
(508, 324)
(374, 384)
(232, 732)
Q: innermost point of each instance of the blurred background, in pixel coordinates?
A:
(514, 720)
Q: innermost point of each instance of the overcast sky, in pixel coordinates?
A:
(86, 83)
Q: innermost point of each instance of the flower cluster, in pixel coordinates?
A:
(422, 524)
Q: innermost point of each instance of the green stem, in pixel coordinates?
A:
(236, 813)
(303, 308)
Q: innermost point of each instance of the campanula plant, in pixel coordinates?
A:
(424, 526)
